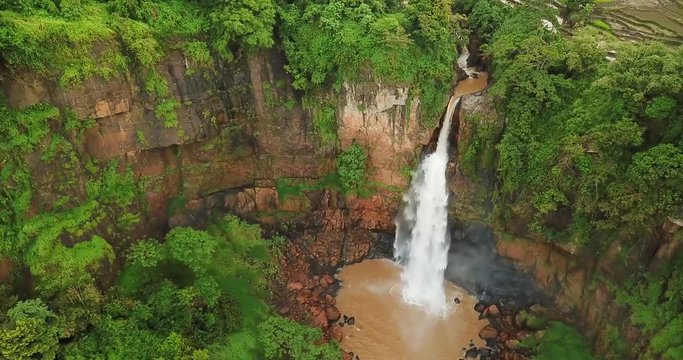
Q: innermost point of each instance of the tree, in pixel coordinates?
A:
(282, 338)
(194, 248)
(351, 167)
(247, 22)
(30, 333)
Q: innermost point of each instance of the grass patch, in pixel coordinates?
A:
(601, 24)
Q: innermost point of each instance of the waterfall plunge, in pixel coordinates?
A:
(421, 229)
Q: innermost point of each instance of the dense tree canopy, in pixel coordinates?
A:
(600, 139)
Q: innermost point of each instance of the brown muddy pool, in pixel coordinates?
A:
(471, 85)
(387, 328)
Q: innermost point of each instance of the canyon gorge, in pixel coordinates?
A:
(247, 143)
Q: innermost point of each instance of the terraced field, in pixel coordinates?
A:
(663, 21)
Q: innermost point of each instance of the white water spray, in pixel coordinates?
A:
(421, 230)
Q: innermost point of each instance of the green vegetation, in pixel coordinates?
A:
(65, 224)
(601, 25)
(350, 177)
(478, 150)
(559, 342)
(599, 140)
(200, 294)
(330, 42)
(587, 151)
(351, 165)
(77, 39)
(656, 303)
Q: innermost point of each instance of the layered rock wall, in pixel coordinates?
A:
(241, 128)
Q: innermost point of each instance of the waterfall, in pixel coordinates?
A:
(421, 228)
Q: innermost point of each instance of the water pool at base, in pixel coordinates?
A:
(387, 328)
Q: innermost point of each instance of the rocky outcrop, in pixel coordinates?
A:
(384, 119)
(240, 129)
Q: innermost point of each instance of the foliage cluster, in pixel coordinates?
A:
(559, 342)
(351, 167)
(350, 177)
(328, 43)
(200, 294)
(73, 40)
(197, 295)
(656, 303)
(599, 140)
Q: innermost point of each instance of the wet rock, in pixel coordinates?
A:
(332, 313)
(456, 301)
(512, 343)
(336, 333)
(509, 307)
(540, 310)
(492, 311)
(351, 321)
(479, 307)
(509, 320)
(328, 279)
(295, 286)
(488, 332)
(471, 353)
(319, 317)
(485, 353)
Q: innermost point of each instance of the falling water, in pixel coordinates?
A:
(421, 229)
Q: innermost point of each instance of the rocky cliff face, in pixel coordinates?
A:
(240, 129)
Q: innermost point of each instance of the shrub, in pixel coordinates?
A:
(351, 165)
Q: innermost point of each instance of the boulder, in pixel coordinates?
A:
(332, 313)
(484, 353)
(330, 299)
(512, 344)
(488, 332)
(336, 333)
(521, 335)
(471, 353)
(328, 279)
(295, 286)
(319, 317)
(492, 311)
